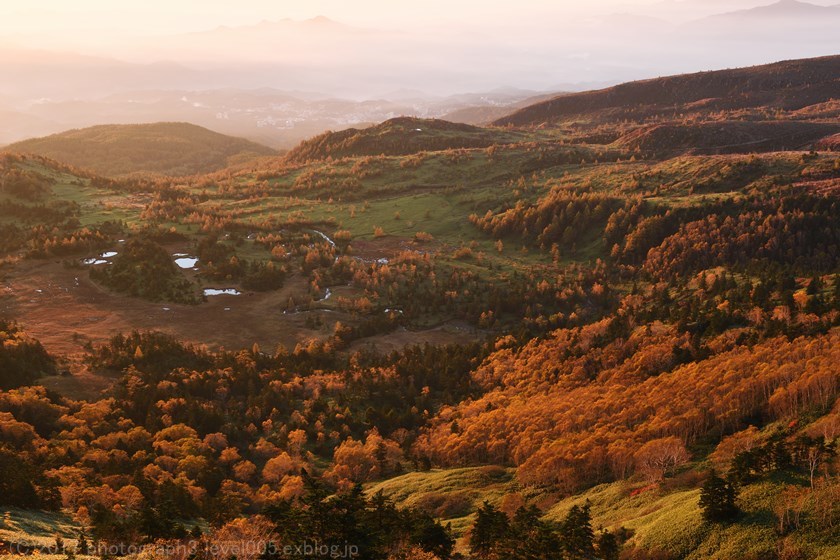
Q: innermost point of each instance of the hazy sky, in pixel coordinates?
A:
(61, 21)
(85, 25)
(165, 16)
(380, 45)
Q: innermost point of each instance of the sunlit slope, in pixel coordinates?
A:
(787, 86)
(400, 136)
(160, 148)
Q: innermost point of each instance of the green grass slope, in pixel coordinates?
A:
(26, 530)
(663, 520)
(450, 494)
(160, 148)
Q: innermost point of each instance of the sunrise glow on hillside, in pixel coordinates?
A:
(443, 280)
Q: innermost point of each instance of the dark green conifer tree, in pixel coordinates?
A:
(717, 499)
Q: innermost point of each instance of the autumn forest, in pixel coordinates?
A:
(604, 326)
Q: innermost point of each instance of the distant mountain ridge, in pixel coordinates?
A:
(175, 149)
(480, 115)
(783, 8)
(788, 85)
(786, 18)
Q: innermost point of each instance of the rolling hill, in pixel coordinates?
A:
(399, 136)
(789, 85)
(175, 149)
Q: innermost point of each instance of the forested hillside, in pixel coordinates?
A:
(607, 339)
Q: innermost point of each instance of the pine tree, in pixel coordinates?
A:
(59, 544)
(607, 545)
(576, 533)
(82, 547)
(431, 536)
(530, 538)
(744, 467)
(717, 499)
(488, 532)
